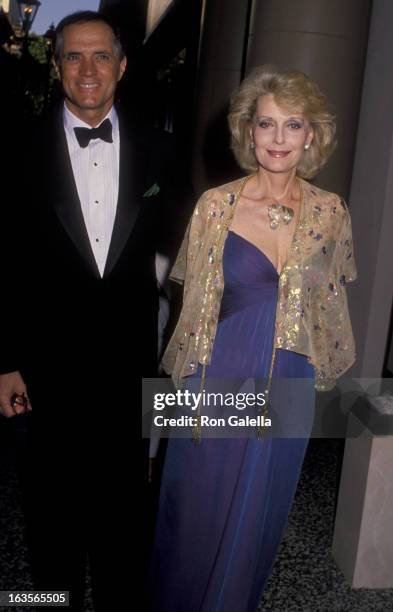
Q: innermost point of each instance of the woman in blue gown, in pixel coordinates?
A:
(224, 502)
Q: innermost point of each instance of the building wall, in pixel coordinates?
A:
(155, 12)
(328, 44)
(371, 297)
(11, 8)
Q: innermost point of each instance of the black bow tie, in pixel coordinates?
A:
(103, 131)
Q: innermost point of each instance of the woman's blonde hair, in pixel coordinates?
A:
(291, 90)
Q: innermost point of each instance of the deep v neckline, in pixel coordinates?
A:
(257, 249)
(297, 226)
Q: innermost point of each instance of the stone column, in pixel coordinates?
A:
(363, 544)
(363, 533)
(371, 200)
(223, 37)
(326, 40)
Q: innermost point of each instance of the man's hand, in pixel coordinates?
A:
(13, 395)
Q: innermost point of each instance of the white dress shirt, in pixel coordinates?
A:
(96, 173)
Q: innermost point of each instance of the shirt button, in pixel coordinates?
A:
(95, 164)
(96, 202)
(97, 240)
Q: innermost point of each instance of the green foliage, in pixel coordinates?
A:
(38, 49)
(38, 75)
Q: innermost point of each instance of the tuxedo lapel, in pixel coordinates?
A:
(64, 196)
(130, 193)
(63, 192)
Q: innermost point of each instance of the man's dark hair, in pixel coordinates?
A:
(85, 17)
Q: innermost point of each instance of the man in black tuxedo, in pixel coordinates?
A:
(80, 317)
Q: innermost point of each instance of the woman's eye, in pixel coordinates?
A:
(264, 124)
(294, 125)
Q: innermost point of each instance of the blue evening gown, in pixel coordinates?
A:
(224, 503)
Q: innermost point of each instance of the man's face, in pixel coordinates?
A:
(90, 69)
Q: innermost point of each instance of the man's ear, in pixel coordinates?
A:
(122, 68)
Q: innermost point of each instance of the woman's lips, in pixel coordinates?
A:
(278, 154)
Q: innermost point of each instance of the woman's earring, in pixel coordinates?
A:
(252, 144)
(307, 146)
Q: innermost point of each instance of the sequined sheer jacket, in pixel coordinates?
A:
(312, 313)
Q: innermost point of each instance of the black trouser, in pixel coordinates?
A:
(83, 494)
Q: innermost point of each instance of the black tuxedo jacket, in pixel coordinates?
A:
(65, 328)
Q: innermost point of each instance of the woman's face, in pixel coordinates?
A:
(279, 136)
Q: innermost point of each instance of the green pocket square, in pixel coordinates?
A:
(153, 190)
